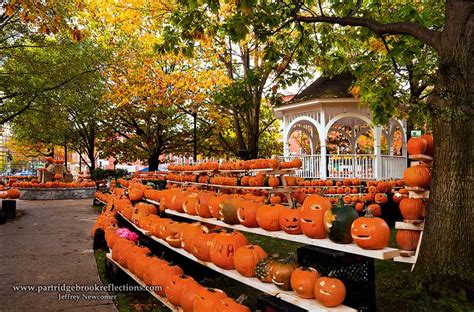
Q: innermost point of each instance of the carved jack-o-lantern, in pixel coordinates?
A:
(223, 247)
(312, 216)
(370, 233)
(289, 220)
(330, 292)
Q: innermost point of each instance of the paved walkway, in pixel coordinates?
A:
(50, 244)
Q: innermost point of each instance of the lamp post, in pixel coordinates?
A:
(195, 111)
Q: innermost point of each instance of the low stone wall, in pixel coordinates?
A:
(56, 193)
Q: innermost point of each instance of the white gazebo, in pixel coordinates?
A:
(325, 110)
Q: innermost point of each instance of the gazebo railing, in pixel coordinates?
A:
(310, 167)
(346, 166)
(393, 166)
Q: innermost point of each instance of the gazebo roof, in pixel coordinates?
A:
(325, 88)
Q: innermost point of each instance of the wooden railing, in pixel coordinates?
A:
(311, 165)
(393, 166)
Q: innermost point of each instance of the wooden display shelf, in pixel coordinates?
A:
(415, 189)
(410, 260)
(288, 296)
(151, 201)
(410, 226)
(420, 157)
(418, 194)
(386, 253)
(267, 170)
(163, 300)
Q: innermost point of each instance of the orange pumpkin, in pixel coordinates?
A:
(381, 198)
(303, 280)
(289, 220)
(312, 216)
(175, 287)
(202, 209)
(411, 208)
(330, 292)
(375, 210)
(407, 239)
(417, 176)
(268, 217)
(13, 193)
(207, 299)
(230, 305)
(430, 144)
(370, 233)
(202, 246)
(223, 247)
(135, 194)
(247, 213)
(416, 145)
(246, 259)
(161, 276)
(189, 293)
(273, 181)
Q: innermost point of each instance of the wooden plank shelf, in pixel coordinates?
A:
(409, 226)
(163, 300)
(288, 296)
(410, 260)
(151, 201)
(415, 189)
(417, 194)
(420, 157)
(100, 201)
(386, 253)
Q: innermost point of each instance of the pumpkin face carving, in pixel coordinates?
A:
(175, 286)
(312, 216)
(289, 220)
(330, 292)
(207, 299)
(223, 247)
(370, 233)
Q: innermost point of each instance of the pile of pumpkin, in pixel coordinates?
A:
(51, 184)
(12, 193)
(169, 279)
(106, 198)
(414, 176)
(316, 218)
(217, 246)
(240, 165)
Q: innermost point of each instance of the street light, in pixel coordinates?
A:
(195, 111)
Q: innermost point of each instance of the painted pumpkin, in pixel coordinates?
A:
(282, 271)
(207, 299)
(246, 259)
(268, 217)
(417, 176)
(312, 216)
(303, 280)
(330, 292)
(223, 247)
(370, 233)
(338, 221)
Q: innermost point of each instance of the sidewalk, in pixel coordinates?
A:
(50, 244)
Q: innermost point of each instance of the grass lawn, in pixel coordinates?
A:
(392, 280)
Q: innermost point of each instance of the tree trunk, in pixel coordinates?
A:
(153, 162)
(446, 258)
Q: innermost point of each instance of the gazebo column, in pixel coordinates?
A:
(323, 134)
(377, 170)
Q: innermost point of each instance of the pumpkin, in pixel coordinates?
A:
(275, 199)
(330, 292)
(359, 207)
(407, 239)
(375, 210)
(13, 193)
(416, 146)
(135, 194)
(228, 213)
(207, 299)
(202, 207)
(430, 144)
(273, 181)
(267, 217)
(154, 266)
(289, 220)
(141, 263)
(216, 203)
(58, 176)
(175, 286)
(230, 305)
(263, 269)
(338, 221)
(381, 198)
(411, 208)
(133, 254)
(312, 216)
(121, 246)
(383, 187)
(189, 293)
(282, 271)
(189, 235)
(191, 201)
(419, 175)
(202, 246)
(177, 201)
(223, 248)
(370, 232)
(303, 280)
(161, 276)
(244, 181)
(246, 259)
